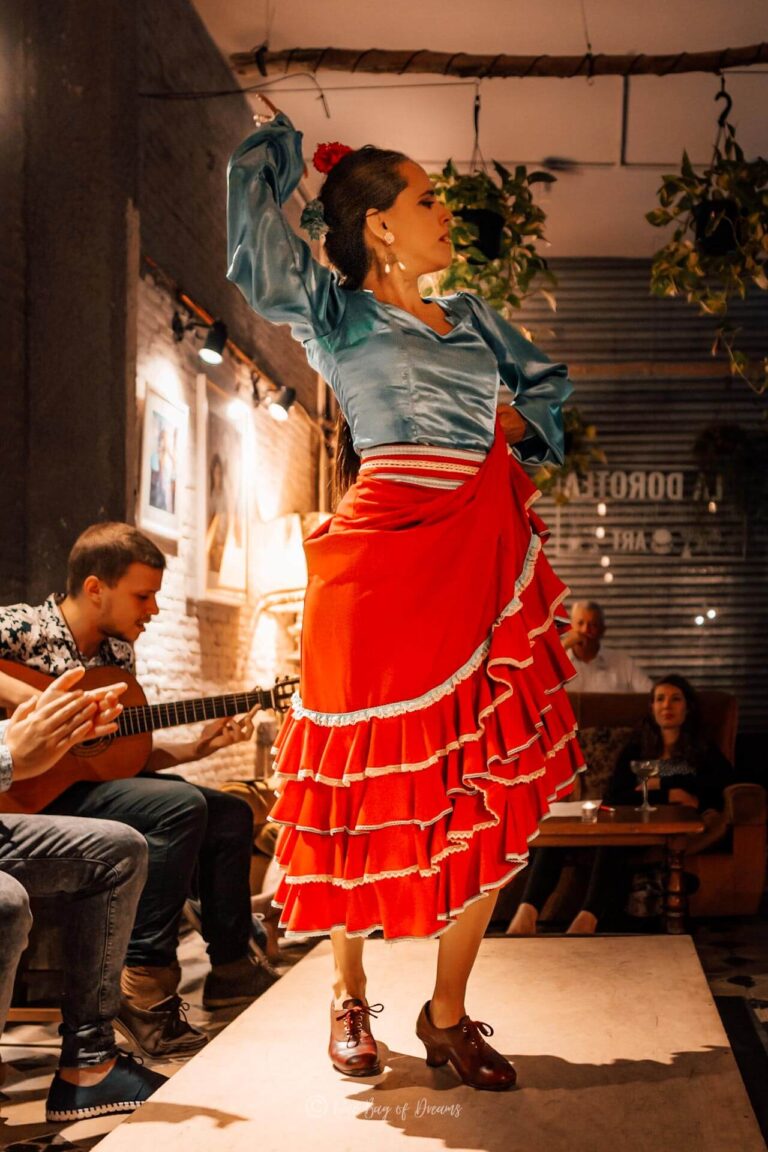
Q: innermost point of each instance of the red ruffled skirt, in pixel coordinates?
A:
(432, 728)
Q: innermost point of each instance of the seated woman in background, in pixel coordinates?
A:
(693, 771)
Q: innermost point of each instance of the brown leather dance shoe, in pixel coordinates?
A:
(478, 1065)
(352, 1048)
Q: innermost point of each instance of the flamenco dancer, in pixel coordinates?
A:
(431, 730)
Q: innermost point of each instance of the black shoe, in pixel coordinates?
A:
(161, 1032)
(123, 1089)
(228, 985)
(256, 946)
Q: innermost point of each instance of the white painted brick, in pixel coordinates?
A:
(195, 648)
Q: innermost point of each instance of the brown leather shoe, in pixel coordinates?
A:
(478, 1065)
(352, 1048)
(161, 1032)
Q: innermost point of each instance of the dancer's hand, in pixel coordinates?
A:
(259, 117)
(513, 426)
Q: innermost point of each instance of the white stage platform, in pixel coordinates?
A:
(616, 1040)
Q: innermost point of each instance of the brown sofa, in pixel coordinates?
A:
(730, 860)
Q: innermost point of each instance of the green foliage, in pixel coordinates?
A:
(582, 452)
(508, 280)
(505, 282)
(733, 195)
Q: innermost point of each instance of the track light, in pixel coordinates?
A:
(215, 340)
(215, 343)
(281, 402)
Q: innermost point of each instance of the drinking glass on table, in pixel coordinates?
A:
(644, 770)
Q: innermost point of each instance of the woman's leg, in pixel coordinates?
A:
(352, 1048)
(349, 975)
(456, 956)
(442, 1025)
(608, 886)
(542, 875)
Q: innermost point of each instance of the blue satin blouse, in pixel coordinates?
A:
(397, 381)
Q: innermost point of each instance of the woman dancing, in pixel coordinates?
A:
(431, 729)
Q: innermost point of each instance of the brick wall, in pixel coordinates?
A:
(192, 647)
(185, 146)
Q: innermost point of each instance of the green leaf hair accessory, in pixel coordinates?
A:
(312, 219)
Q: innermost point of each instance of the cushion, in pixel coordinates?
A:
(601, 748)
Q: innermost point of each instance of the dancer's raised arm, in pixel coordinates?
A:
(271, 266)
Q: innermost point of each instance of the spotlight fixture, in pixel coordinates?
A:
(280, 403)
(600, 532)
(215, 343)
(699, 620)
(608, 577)
(711, 614)
(602, 509)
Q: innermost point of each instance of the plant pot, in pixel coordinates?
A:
(725, 237)
(490, 226)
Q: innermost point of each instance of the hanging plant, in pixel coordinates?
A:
(496, 227)
(738, 455)
(582, 452)
(719, 246)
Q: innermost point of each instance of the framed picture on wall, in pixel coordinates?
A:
(222, 538)
(163, 464)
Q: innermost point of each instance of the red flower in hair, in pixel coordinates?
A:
(327, 156)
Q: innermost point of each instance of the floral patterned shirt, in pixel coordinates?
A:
(39, 637)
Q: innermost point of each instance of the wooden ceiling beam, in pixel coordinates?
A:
(464, 64)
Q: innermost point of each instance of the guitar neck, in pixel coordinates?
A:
(149, 717)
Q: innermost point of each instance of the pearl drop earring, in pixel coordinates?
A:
(388, 238)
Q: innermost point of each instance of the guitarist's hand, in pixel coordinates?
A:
(222, 733)
(46, 726)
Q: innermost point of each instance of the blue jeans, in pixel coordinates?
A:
(194, 834)
(99, 869)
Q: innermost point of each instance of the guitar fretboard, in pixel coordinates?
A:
(148, 717)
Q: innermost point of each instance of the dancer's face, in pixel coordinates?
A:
(419, 222)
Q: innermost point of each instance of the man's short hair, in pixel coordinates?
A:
(107, 550)
(590, 606)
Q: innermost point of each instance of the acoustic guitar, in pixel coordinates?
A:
(126, 751)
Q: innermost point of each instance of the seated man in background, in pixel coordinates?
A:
(599, 669)
(114, 576)
(99, 869)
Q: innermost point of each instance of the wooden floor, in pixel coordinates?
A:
(616, 1040)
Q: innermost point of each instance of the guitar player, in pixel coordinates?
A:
(113, 577)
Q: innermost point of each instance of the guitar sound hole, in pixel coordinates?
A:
(91, 747)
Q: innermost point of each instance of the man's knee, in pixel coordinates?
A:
(15, 916)
(183, 804)
(131, 848)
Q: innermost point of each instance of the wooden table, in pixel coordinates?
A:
(669, 825)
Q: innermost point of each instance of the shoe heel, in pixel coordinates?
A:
(436, 1057)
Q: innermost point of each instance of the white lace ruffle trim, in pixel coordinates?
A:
(518, 860)
(418, 703)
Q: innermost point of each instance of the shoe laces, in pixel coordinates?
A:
(353, 1018)
(475, 1030)
(177, 1022)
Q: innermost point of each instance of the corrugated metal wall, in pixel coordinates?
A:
(679, 543)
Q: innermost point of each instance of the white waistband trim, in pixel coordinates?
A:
(384, 711)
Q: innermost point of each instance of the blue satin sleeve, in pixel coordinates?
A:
(538, 385)
(272, 267)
